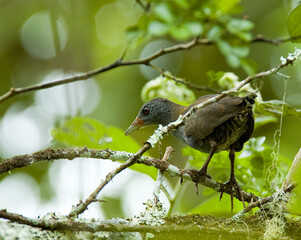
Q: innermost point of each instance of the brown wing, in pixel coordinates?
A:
(203, 122)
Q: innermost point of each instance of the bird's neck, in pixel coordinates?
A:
(175, 113)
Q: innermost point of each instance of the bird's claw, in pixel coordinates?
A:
(233, 183)
(196, 176)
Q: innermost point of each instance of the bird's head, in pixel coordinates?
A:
(156, 111)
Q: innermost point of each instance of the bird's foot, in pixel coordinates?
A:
(233, 183)
(196, 176)
(203, 175)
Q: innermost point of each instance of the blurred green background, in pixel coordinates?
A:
(43, 41)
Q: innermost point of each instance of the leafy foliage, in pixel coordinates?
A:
(80, 132)
(183, 19)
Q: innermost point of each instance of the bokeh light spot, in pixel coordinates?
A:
(172, 62)
(37, 35)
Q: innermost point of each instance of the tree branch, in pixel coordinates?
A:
(162, 165)
(72, 153)
(75, 225)
(118, 63)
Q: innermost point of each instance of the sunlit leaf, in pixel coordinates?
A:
(157, 28)
(179, 32)
(241, 50)
(295, 178)
(195, 28)
(213, 206)
(228, 6)
(241, 28)
(294, 23)
(263, 120)
(80, 132)
(215, 33)
(164, 12)
(249, 66)
(227, 50)
(276, 107)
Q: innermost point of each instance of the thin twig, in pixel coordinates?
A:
(181, 81)
(145, 6)
(159, 180)
(260, 39)
(82, 206)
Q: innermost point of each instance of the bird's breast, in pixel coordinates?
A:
(192, 140)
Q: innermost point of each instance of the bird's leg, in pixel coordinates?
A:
(232, 181)
(203, 171)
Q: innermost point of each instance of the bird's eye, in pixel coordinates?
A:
(145, 110)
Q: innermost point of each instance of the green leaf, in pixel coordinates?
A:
(276, 106)
(295, 176)
(228, 6)
(113, 208)
(240, 28)
(167, 88)
(236, 25)
(133, 32)
(80, 132)
(179, 32)
(249, 66)
(294, 23)
(164, 12)
(195, 28)
(241, 50)
(215, 33)
(263, 120)
(213, 206)
(253, 145)
(227, 51)
(182, 4)
(157, 28)
(186, 30)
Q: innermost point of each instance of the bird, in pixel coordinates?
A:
(224, 125)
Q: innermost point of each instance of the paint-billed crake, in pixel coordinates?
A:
(223, 125)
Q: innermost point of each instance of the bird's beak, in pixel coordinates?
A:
(138, 123)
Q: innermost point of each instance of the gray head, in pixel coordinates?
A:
(156, 111)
